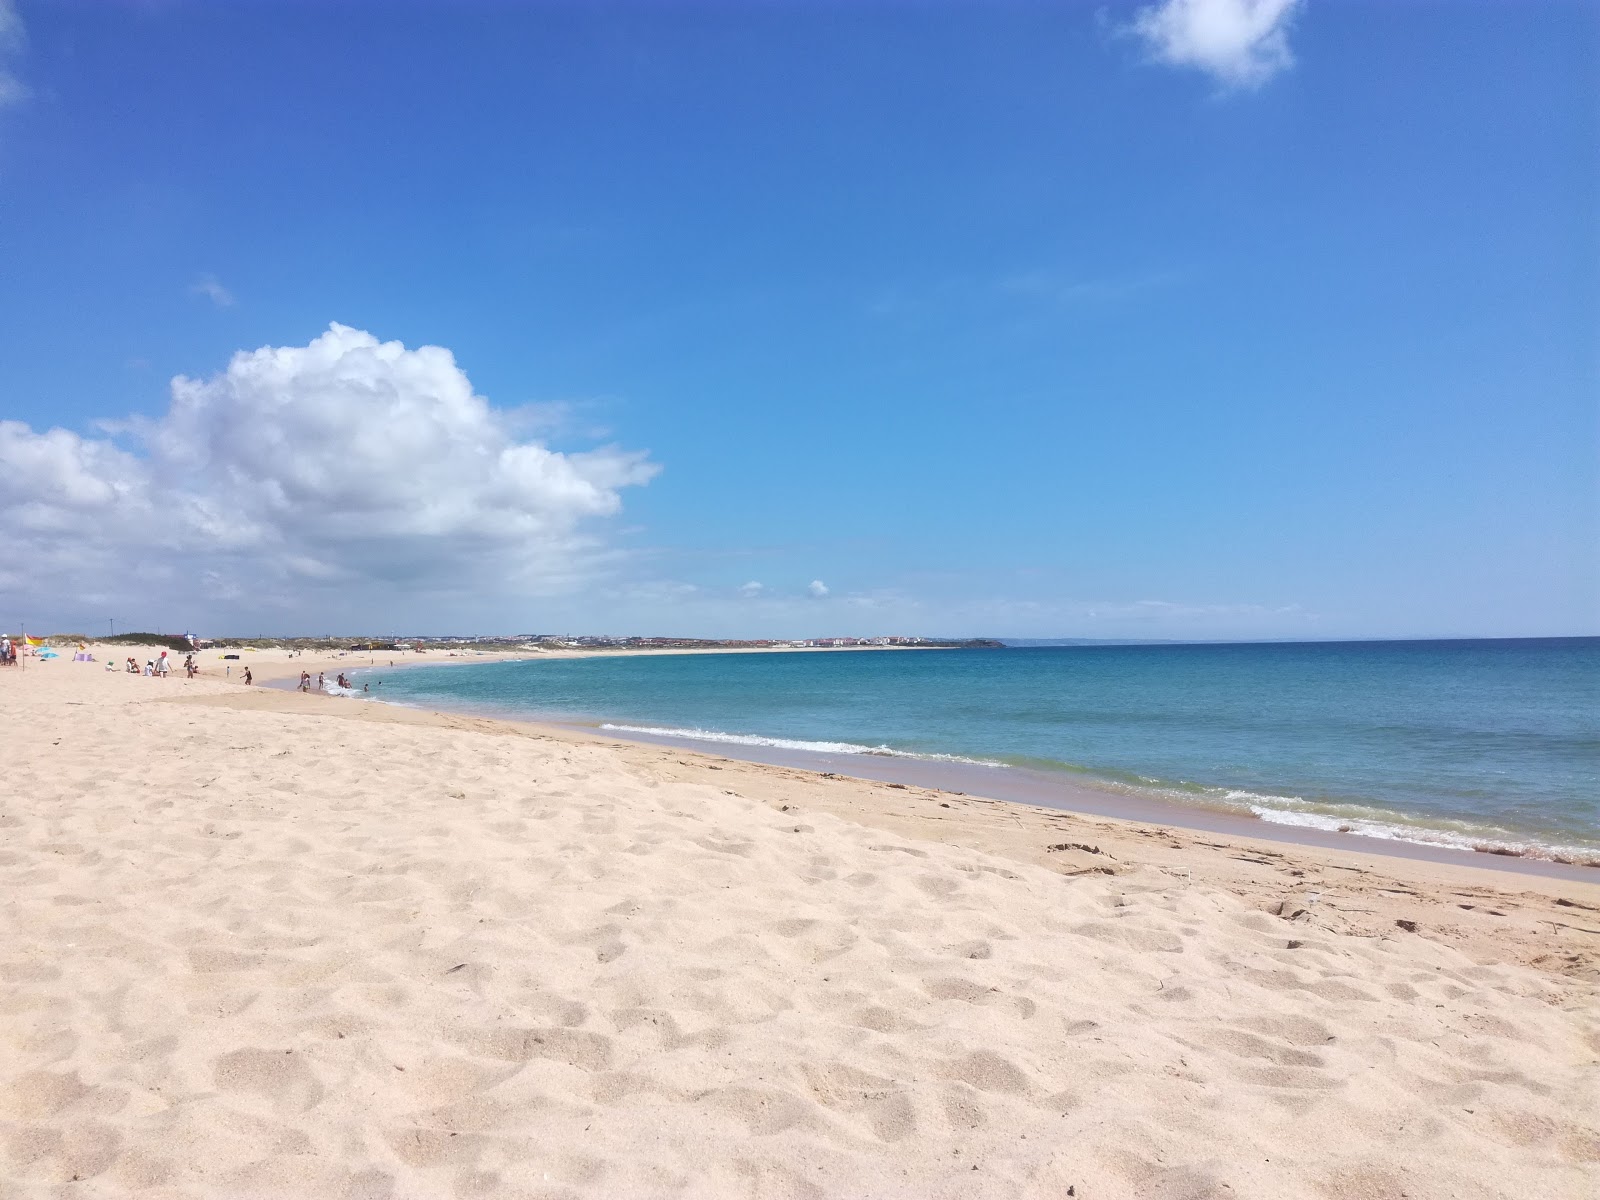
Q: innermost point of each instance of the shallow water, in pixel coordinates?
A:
(1450, 743)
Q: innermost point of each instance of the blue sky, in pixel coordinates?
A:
(1223, 318)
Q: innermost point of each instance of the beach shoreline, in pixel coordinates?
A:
(1017, 785)
(1085, 794)
(1027, 830)
(1053, 798)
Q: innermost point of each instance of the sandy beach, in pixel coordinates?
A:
(258, 943)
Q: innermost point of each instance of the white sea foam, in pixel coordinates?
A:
(1385, 825)
(748, 739)
(1357, 820)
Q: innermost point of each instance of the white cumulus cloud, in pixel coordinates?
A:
(817, 588)
(348, 463)
(752, 589)
(1242, 43)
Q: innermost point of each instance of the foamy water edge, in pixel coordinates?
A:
(1351, 819)
(750, 739)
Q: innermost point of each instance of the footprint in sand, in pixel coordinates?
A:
(281, 1077)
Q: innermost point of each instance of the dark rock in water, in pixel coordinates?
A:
(1507, 851)
(1408, 926)
(1344, 829)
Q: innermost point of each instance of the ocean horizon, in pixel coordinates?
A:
(1456, 744)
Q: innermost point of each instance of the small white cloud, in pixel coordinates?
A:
(753, 588)
(817, 588)
(1242, 43)
(13, 41)
(213, 291)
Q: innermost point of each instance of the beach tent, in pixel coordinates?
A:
(48, 654)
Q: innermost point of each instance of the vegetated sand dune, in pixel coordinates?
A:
(250, 952)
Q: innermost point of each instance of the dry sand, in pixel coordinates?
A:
(264, 944)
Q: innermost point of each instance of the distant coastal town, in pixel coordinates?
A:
(672, 643)
(531, 641)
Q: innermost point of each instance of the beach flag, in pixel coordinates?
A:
(32, 641)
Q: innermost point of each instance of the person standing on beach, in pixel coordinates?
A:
(320, 686)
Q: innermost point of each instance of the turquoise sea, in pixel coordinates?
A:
(1451, 743)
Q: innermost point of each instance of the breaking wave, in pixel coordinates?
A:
(1363, 820)
(749, 739)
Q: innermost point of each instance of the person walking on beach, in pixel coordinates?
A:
(320, 686)
(248, 678)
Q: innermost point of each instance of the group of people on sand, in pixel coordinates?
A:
(159, 667)
(8, 651)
